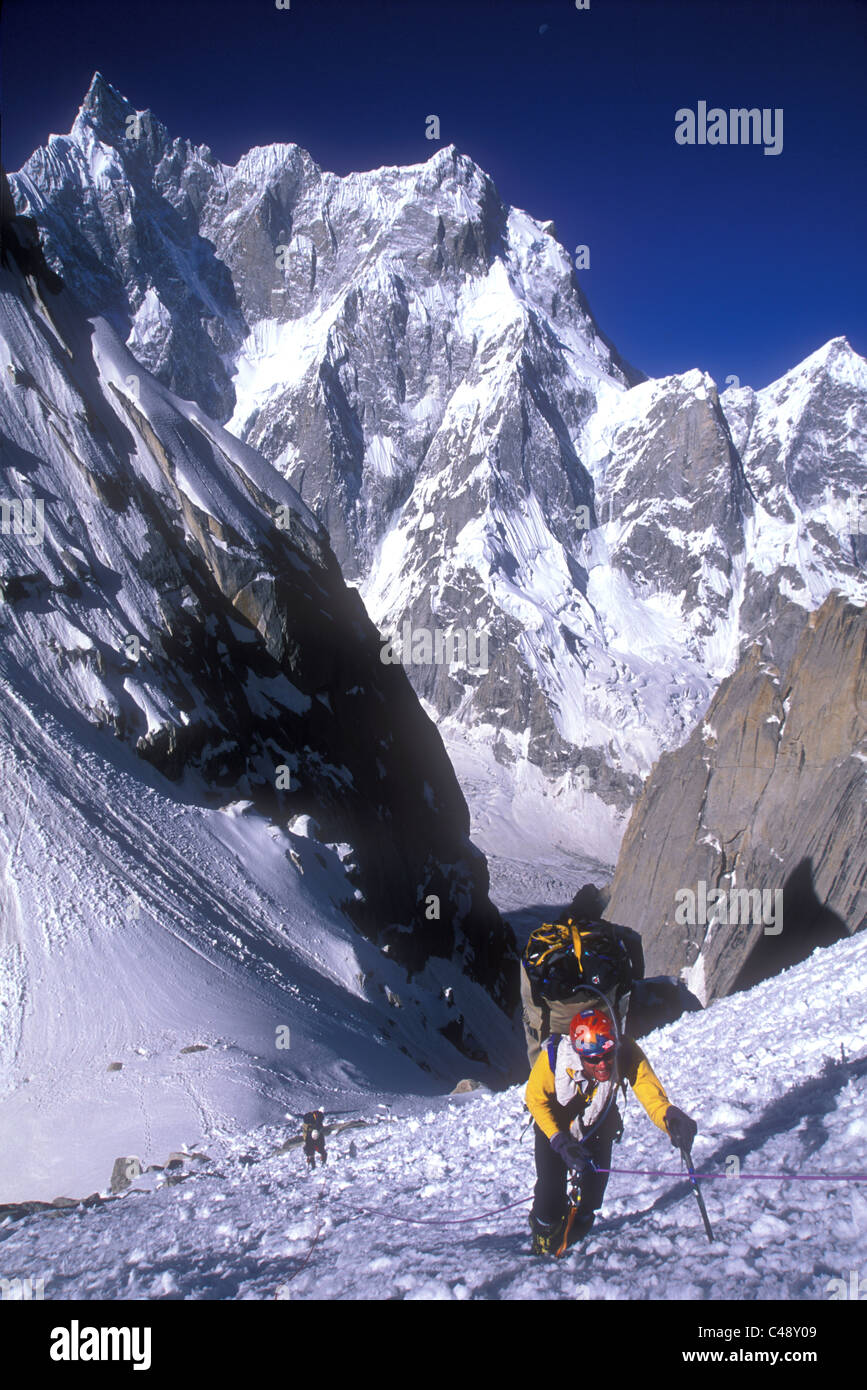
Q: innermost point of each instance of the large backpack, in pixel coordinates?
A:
(566, 964)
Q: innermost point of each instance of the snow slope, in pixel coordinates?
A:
(525, 825)
(767, 1086)
(138, 919)
(138, 922)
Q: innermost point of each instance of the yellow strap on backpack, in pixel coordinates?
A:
(576, 939)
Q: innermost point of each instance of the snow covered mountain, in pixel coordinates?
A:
(221, 815)
(419, 361)
(772, 1095)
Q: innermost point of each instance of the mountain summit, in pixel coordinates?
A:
(419, 361)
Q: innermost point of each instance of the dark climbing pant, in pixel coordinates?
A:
(312, 1147)
(550, 1201)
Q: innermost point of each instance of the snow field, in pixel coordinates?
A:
(257, 1224)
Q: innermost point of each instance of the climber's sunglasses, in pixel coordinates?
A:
(604, 1053)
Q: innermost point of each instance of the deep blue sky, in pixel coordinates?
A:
(720, 257)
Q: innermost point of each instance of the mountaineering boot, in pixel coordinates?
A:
(547, 1235)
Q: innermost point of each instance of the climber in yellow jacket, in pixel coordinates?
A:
(571, 1096)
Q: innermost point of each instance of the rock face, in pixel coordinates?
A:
(162, 583)
(419, 361)
(767, 795)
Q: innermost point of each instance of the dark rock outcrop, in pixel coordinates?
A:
(766, 797)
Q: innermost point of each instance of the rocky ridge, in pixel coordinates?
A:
(767, 795)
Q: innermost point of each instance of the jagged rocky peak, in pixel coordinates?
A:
(109, 118)
(774, 426)
(418, 359)
(838, 358)
(427, 222)
(747, 847)
(104, 110)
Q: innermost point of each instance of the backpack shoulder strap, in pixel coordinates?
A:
(545, 1011)
(551, 1046)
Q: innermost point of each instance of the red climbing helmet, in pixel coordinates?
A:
(592, 1035)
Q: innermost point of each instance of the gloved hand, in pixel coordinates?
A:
(572, 1152)
(681, 1129)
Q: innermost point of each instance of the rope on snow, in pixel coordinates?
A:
(729, 1177)
(430, 1221)
(634, 1172)
(361, 1213)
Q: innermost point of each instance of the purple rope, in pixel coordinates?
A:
(428, 1221)
(726, 1177)
(633, 1172)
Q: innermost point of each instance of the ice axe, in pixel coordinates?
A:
(697, 1190)
(574, 1203)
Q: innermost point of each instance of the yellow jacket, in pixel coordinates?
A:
(633, 1066)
